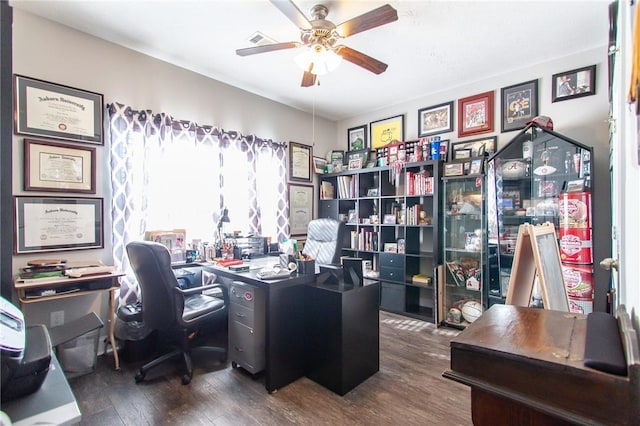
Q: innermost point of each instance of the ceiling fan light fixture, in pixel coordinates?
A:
(323, 60)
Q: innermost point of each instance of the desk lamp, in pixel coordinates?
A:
(224, 219)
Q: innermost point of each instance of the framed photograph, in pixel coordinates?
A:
(475, 114)
(466, 167)
(479, 147)
(319, 164)
(435, 119)
(357, 137)
(389, 219)
(56, 224)
(300, 208)
(55, 111)
(355, 163)
(453, 169)
(299, 162)
(476, 166)
(58, 167)
(573, 84)
(519, 105)
(362, 155)
(462, 153)
(386, 131)
(351, 216)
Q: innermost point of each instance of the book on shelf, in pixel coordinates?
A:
(327, 191)
(42, 279)
(421, 279)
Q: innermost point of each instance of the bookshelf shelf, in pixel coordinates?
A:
(395, 227)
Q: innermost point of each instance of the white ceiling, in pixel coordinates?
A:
(434, 46)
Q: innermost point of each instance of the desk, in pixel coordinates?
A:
(285, 325)
(53, 403)
(525, 366)
(104, 282)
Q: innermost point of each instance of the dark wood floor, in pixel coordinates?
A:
(409, 389)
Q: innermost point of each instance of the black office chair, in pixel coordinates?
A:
(324, 241)
(179, 315)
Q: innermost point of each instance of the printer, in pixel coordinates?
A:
(25, 353)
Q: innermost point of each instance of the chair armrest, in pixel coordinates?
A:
(200, 289)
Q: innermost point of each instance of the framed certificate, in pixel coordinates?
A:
(55, 111)
(300, 208)
(299, 162)
(58, 167)
(56, 224)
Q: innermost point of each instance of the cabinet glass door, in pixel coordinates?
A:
(541, 176)
(464, 249)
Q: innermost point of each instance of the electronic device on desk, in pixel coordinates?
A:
(25, 356)
(252, 246)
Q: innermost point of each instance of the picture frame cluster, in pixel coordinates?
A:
(59, 154)
(474, 115)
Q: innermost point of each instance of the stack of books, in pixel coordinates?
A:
(43, 270)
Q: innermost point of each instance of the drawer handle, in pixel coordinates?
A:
(238, 349)
(240, 315)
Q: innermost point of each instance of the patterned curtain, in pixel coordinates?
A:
(167, 173)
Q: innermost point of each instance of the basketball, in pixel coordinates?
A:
(471, 310)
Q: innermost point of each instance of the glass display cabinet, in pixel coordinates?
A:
(465, 249)
(542, 176)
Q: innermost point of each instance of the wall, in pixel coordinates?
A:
(582, 119)
(48, 51)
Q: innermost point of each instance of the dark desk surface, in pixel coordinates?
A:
(256, 265)
(535, 357)
(53, 403)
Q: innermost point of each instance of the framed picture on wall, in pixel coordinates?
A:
(300, 208)
(58, 167)
(435, 119)
(55, 111)
(299, 162)
(386, 131)
(519, 105)
(357, 137)
(475, 114)
(68, 223)
(573, 84)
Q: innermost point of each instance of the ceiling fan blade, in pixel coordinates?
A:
(362, 60)
(292, 12)
(374, 18)
(308, 79)
(267, 48)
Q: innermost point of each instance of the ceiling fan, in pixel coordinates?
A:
(321, 36)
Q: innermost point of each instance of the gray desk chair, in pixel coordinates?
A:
(179, 315)
(324, 241)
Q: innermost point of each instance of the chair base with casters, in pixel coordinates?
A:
(183, 352)
(180, 316)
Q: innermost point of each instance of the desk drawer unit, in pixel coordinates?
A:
(247, 327)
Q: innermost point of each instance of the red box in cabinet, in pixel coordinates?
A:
(575, 210)
(575, 245)
(578, 280)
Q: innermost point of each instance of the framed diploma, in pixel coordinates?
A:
(55, 111)
(300, 208)
(59, 167)
(57, 224)
(299, 162)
